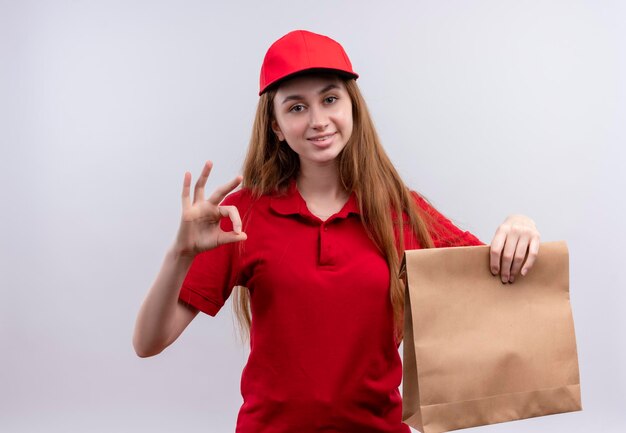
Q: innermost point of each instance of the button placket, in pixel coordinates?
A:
(325, 257)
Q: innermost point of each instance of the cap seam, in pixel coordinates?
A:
(308, 58)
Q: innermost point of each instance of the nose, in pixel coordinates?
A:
(318, 119)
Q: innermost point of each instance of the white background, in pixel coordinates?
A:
(486, 107)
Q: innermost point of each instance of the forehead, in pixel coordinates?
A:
(308, 84)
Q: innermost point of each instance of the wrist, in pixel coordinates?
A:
(181, 256)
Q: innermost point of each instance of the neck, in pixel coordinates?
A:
(320, 181)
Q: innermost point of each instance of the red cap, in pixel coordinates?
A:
(300, 51)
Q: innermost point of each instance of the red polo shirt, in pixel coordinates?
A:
(322, 356)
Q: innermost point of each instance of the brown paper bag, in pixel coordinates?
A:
(479, 352)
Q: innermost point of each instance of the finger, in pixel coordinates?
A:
(221, 192)
(518, 259)
(507, 256)
(198, 192)
(497, 244)
(233, 214)
(186, 189)
(533, 251)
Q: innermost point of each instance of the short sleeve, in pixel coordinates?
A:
(214, 273)
(443, 232)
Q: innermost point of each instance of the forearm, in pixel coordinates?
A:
(155, 320)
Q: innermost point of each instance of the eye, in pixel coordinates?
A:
(297, 108)
(330, 99)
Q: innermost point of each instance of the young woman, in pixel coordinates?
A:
(313, 242)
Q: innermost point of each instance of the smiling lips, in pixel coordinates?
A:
(322, 139)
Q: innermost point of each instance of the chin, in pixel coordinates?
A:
(325, 159)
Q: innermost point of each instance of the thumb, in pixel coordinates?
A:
(230, 237)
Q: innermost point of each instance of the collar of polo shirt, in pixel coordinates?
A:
(292, 203)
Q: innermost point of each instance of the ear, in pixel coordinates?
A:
(277, 131)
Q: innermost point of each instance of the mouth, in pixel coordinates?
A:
(322, 139)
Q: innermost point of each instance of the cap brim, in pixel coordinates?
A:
(310, 71)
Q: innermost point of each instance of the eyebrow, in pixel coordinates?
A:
(299, 97)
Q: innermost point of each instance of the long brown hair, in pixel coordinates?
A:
(365, 169)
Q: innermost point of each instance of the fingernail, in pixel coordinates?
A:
(523, 272)
(494, 271)
(512, 279)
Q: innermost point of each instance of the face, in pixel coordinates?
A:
(313, 114)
